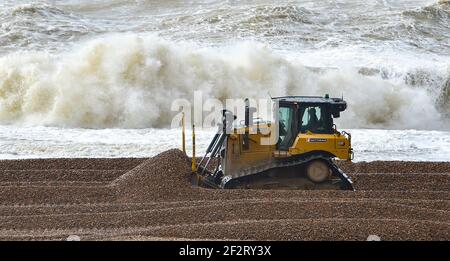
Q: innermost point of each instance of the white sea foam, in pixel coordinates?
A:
(130, 81)
(54, 142)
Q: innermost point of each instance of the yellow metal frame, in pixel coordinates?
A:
(194, 161)
(336, 144)
(183, 132)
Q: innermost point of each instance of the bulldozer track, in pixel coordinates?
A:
(290, 162)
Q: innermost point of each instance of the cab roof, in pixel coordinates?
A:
(308, 99)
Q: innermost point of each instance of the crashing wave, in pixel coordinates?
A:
(131, 80)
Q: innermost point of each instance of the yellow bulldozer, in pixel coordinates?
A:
(301, 157)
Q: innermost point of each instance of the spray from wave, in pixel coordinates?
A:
(130, 81)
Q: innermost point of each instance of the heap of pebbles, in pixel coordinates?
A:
(163, 176)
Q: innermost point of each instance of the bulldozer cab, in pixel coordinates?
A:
(300, 116)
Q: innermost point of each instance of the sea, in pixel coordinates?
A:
(98, 78)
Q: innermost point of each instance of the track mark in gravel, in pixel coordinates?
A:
(154, 199)
(71, 164)
(183, 215)
(54, 184)
(321, 229)
(59, 175)
(408, 182)
(298, 229)
(38, 210)
(250, 229)
(33, 210)
(403, 167)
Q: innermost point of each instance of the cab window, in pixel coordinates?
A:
(315, 120)
(286, 116)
